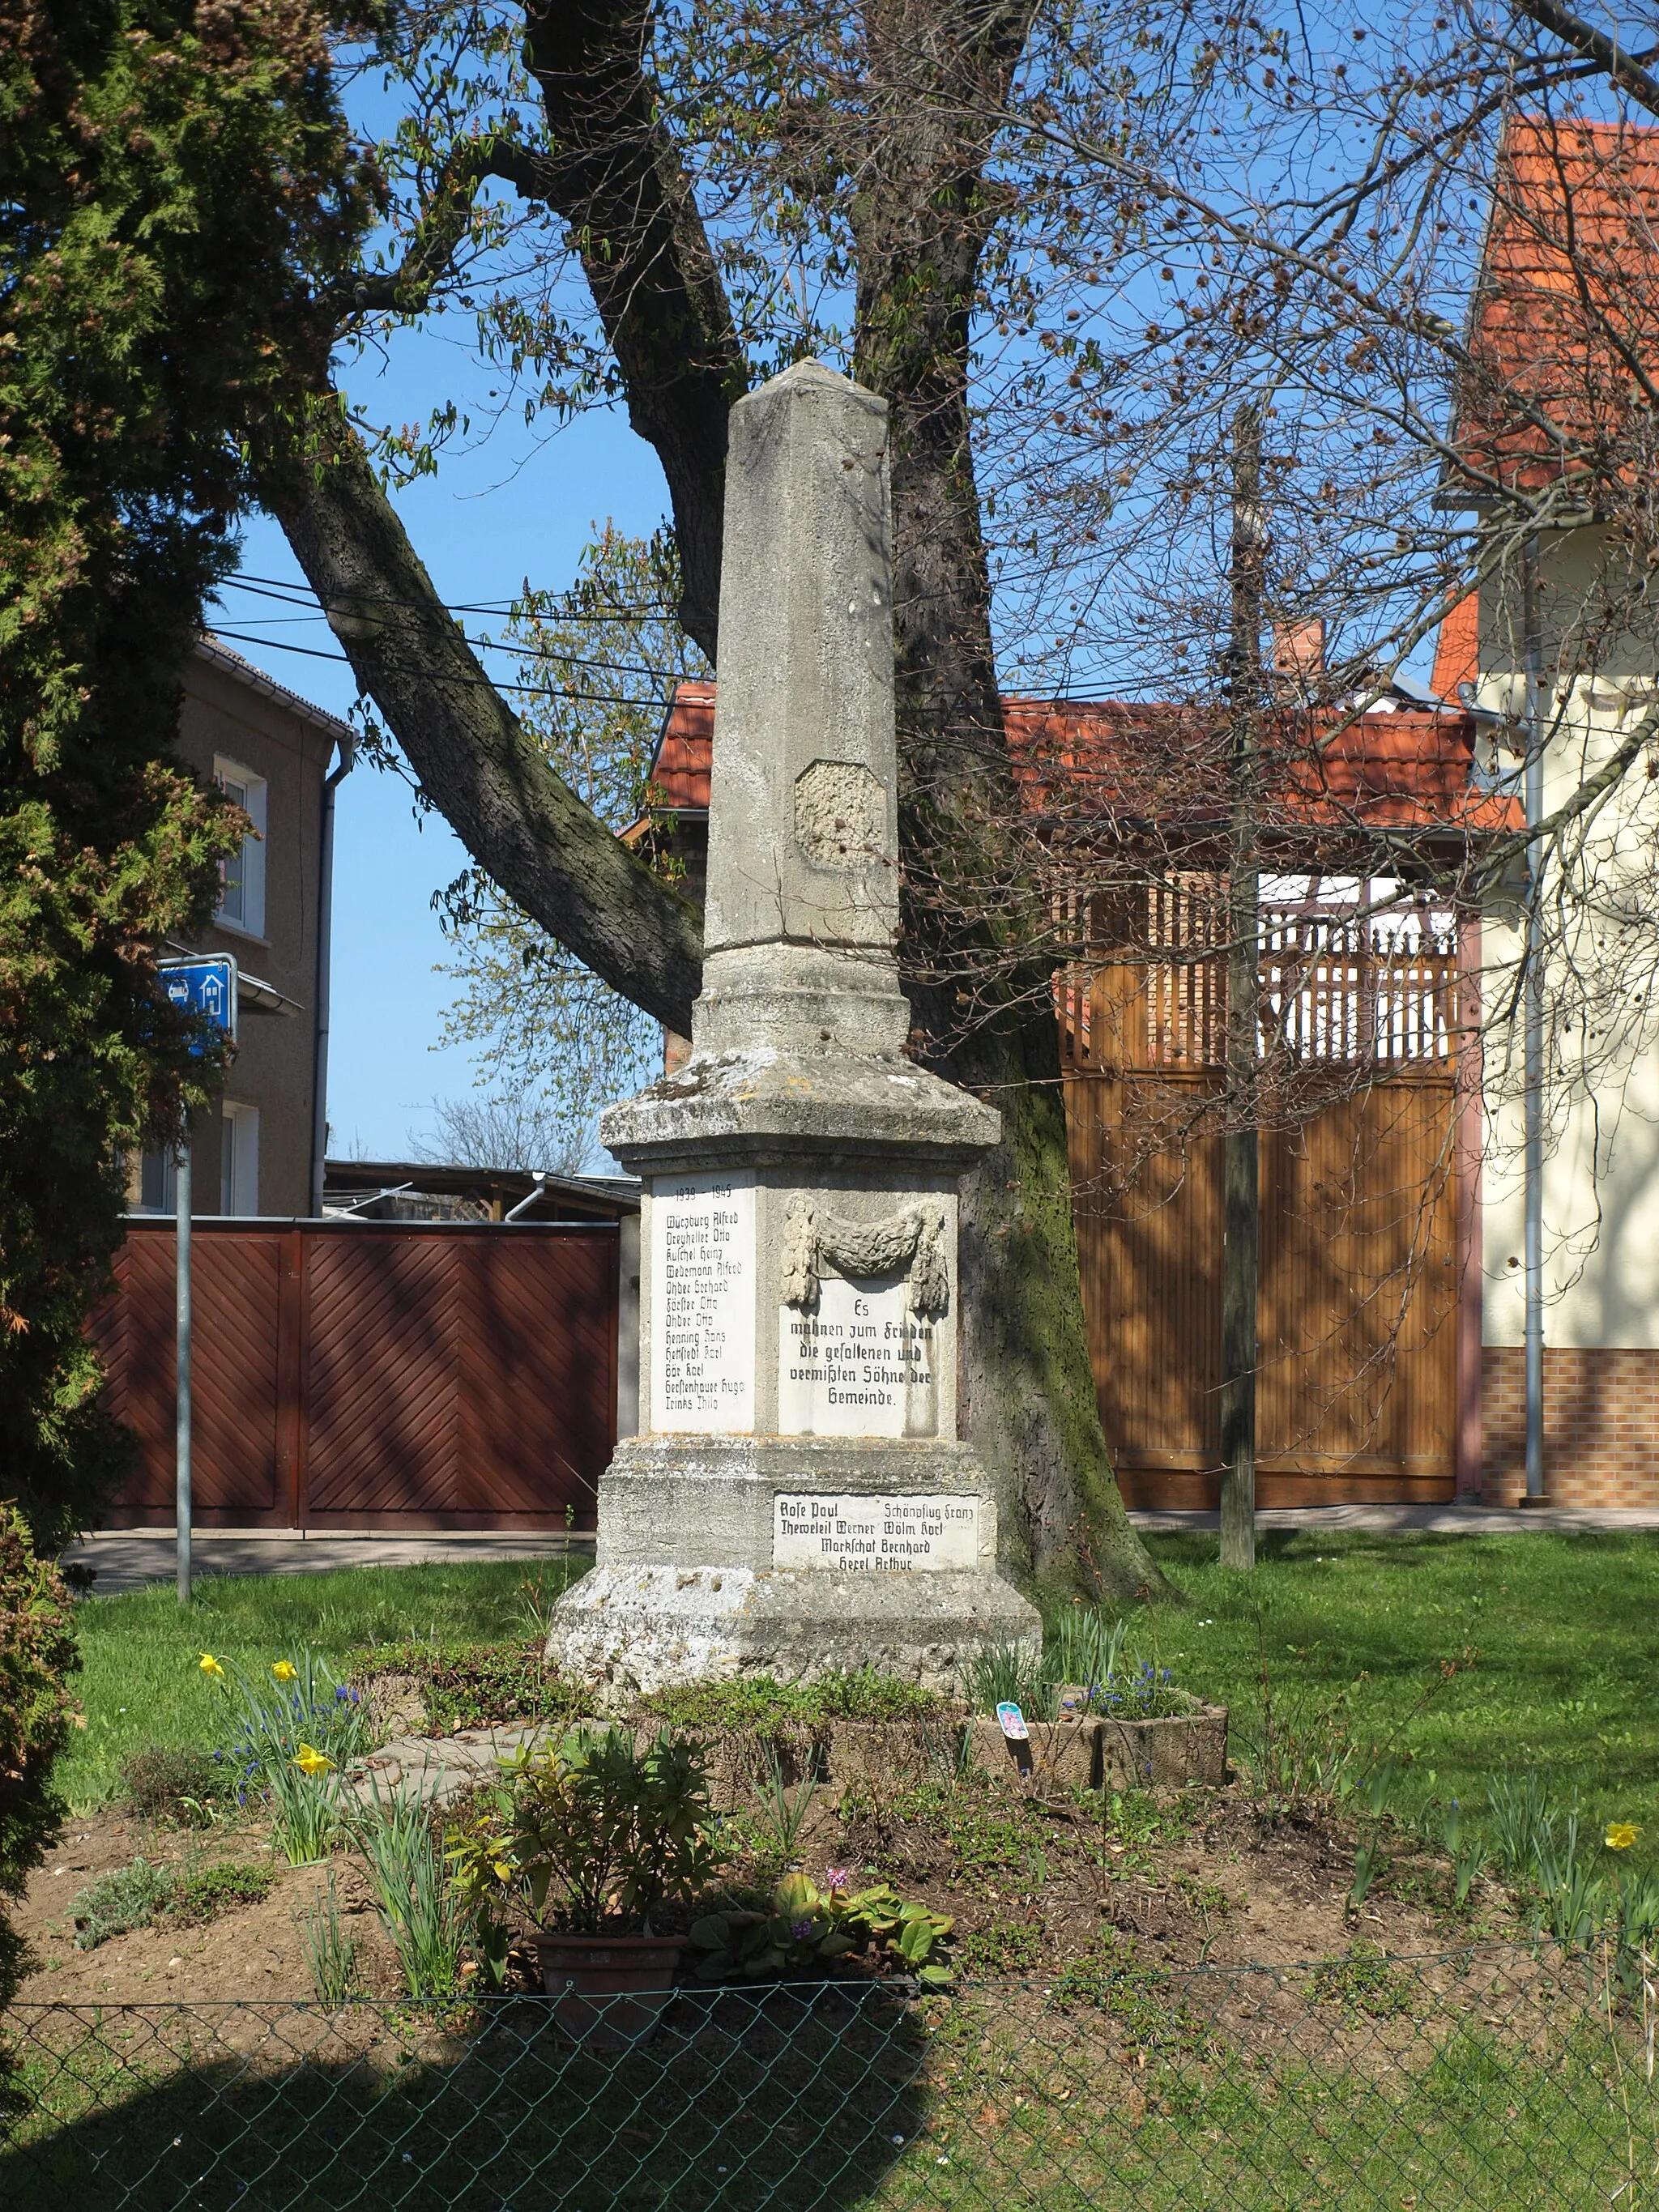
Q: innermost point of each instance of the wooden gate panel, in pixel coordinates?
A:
(1358, 1346)
(382, 1378)
(1149, 1238)
(1356, 1389)
(235, 1297)
(358, 1377)
(543, 1420)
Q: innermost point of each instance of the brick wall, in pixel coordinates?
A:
(1600, 1426)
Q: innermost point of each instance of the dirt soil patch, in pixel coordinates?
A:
(1036, 1886)
(249, 1951)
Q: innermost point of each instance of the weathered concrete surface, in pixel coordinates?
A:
(647, 1627)
(799, 1210)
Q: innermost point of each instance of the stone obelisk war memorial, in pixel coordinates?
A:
(799, 1498)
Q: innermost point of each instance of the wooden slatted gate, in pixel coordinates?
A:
(1357, 1388)
(393, 1375)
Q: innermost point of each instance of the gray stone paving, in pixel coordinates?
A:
(126, 1559)
(1440, 1520)
(435, 1769)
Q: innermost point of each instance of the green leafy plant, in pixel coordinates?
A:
(273, 1716)
(1083, 1644)
(1009, 1674)
(204, 1893)
(466, 1686)
(307, 1813)
(114, 1904)
(1005, 1947)
(180, 1782)
(288, 1732)
(1521, 1817)
(1363, 1981)
(1540, 1847)
(810, 1928)
(330, 1955)
(37, 1716)
(420, 1906)
(1465, 1848)
(1085, 1651)
(139, 1894)
(778, 1814)
(759, 1702)
(1110, 1979)
(593, 1832)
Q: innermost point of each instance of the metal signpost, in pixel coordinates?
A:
(205, 988)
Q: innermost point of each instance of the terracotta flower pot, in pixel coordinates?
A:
(612, 1989)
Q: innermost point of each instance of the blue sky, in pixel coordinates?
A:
(504, 512)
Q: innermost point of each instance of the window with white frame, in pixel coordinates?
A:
(158, 1183)
(242, 875)
(239, 1157)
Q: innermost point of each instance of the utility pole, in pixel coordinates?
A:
(1241, 1170)
(1534, 1016)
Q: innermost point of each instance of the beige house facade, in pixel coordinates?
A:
(1590, 685)
(279, 757)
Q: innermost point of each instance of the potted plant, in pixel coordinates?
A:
(592, 1834)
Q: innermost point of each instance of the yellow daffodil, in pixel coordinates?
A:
(209, 1665)
(1621, 1834)
(312, 1761)
(284, 1670)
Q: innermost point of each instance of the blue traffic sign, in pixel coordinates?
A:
(204, 986)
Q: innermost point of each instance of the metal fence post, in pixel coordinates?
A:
(182, 1506)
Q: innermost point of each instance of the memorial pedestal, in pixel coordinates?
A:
(799, 1500)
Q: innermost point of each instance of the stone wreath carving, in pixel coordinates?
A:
(914, 1238)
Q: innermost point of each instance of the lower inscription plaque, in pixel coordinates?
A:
(878, 1533)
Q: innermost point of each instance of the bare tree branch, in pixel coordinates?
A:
(516, 816)
(1595, 46)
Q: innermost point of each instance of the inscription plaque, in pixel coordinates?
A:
(862, 1365)
(703, 1303)
(875, 1534)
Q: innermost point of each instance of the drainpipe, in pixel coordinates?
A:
(348, 746)
(1535, 1033)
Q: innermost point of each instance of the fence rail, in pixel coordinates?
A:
(1484, 2079)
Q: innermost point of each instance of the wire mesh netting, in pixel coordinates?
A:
(1489, 2076)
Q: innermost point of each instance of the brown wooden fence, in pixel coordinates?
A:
(1357, 1386)
(394, 1375)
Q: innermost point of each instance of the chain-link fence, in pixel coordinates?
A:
(1486, 2078)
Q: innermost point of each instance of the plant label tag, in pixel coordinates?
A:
(1013, 1723)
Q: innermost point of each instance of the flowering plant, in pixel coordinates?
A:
(288, 1738)
(809, 1927)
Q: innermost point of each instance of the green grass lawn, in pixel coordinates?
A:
(143, 1684)
(1565, 1627)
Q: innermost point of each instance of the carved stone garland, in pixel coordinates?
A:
(913, 1238)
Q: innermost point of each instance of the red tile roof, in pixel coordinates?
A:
(1116, 762)
(1111, 760)
(1457, 652)
(679, 775)
(1567, 300)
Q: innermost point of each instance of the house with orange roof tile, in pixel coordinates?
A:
(1559, 648)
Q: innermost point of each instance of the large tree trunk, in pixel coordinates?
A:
(613, 175)
(922, 215)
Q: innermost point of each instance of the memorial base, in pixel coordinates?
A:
(633, 1629)
(794, 1556)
